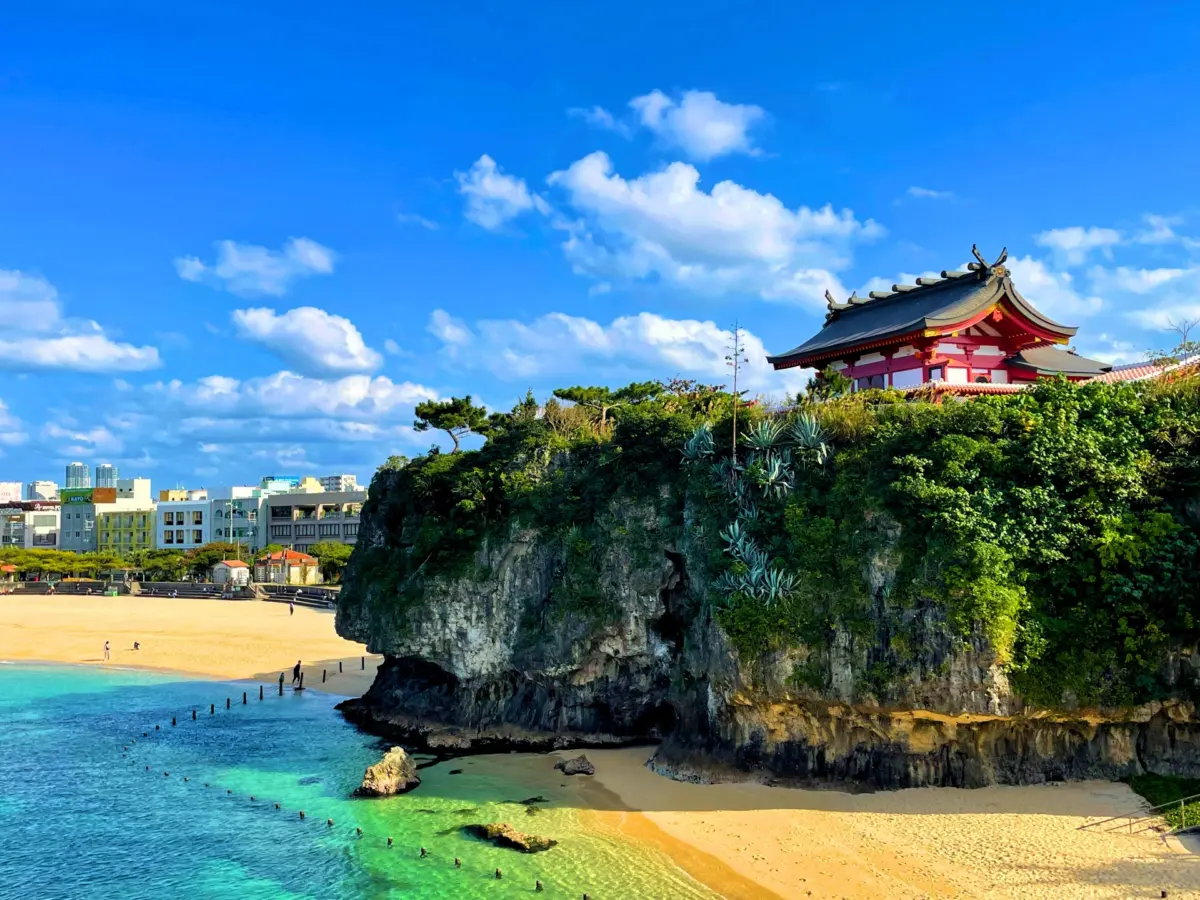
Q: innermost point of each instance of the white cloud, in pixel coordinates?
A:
(249, 270)
(643, 345)
(309, 338)
(494, 198)
(1112, 350)
(1167, 316)
(1158, 229)
(414, 219)
(391, 347)
(288, 395)
(1051, 292)
(12, 429)
(1135, 281)
(599, 117)
(698, 123)
(75, 441)
(39, 337)
(663, 225)
(1074, 244)
(920, 193)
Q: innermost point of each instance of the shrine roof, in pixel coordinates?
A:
(908, 309)
(1052, 360)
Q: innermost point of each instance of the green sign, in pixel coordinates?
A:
(75, 495)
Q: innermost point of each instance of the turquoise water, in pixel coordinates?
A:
(82, 817)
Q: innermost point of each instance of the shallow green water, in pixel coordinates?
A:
(80, 819)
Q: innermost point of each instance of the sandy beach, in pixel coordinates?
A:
(997, 842)
(206, 638)
(743, 840)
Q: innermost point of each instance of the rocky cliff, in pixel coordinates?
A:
(873, 593)
(492, 659)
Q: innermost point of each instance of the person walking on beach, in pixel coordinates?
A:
(291, 608)
(106, 649)
(296, 672)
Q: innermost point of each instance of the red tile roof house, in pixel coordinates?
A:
(287, 567)
(962, 333)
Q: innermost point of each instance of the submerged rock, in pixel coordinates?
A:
(394, 774)
(504, 835)
(580, 765)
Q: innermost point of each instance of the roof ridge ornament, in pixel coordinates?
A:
(983, 269)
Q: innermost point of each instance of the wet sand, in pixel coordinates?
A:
(206, 638)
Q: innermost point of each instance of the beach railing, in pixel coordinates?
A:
(1149, 818)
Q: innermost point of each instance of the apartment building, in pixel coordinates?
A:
(41, 490)
(184, 521)
(29, 525)
(78, 476)
(236, 512)
(339, 483)
(124, 530)
(299, 520)
(10, 491)
(106, 475)
(77, 507)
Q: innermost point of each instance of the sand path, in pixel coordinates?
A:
(209, 638)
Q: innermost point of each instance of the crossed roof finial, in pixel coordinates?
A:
(996, 268)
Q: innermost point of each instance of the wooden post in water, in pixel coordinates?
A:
(301, 680)
(227, 703)
(339, 667)
(324, 675)
(243, 698)
(260, 692)
(193, 715)
(364, 663)
(172, 721)
(280, 684)
(212, 709)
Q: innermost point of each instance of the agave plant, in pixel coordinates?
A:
(748, 513)
(774, 480)
(778, 585)
(700, 444)
(734, 537)
(764, 436)
(808, 435)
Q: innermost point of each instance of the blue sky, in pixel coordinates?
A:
(246, 238)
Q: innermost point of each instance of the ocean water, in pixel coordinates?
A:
(89, 807)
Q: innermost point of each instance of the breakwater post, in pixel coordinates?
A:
(260, 692)
(280, 684)
(339, 667)
(227, 703)
(324, 675)
(243, 698)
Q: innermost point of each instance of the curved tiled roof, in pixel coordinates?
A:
(912, 308)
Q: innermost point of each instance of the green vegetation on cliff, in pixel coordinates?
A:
(1059, 523)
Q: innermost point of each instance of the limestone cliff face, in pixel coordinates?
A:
(502, 656)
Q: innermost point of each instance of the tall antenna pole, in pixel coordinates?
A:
(734, 360)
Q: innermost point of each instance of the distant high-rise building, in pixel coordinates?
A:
(340, 483)
(10, 492)
(41, 490)
(78, 476)
(106, 475)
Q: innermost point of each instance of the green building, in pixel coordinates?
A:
(124, 531)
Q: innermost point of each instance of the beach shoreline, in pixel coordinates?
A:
(740, 839)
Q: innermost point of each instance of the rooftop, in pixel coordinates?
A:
(911, 309)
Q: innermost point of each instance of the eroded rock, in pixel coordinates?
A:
(504, 835)
(396, 773)
(580, 765)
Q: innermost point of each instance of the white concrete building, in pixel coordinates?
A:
(41, 490)
(10, 492)
(236, 510)
(339, 483)
(184, 524)
(30, 525)
(134, 489)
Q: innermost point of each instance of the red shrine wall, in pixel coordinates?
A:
(961, 361)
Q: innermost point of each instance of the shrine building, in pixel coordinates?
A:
(965, 332)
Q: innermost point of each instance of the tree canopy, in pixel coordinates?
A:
(603, 400)
(457, 416)
(332, 556)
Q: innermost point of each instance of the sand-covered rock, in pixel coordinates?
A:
(396, 773)
(580, 765)
(504, 835)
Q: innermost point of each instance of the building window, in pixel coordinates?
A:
(281, 531)
(936, 373)
(178, 536)
(197, 536)
(874, 381)
(169, 518)
(306, 531)
(351, 531)
(281, 512)
(983, 379)
(197, 518)
(330, 530)
(168, 537)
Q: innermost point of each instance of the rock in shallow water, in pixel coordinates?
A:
(394, 774)
(504, 835)
(580, 765)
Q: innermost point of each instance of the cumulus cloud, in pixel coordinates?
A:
(249, 270)
(310, 339)
(1158, 229)
(1136, 281)
(72, 440)
(494, 198)
(391, 347)
(1073, 244)
(1052, 292)
(599, 117)
(698, 123)
(639, 346)
(41, 338)
(664, 225)
(414, 219)
(289, 395)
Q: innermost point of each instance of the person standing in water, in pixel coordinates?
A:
(296, 672)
